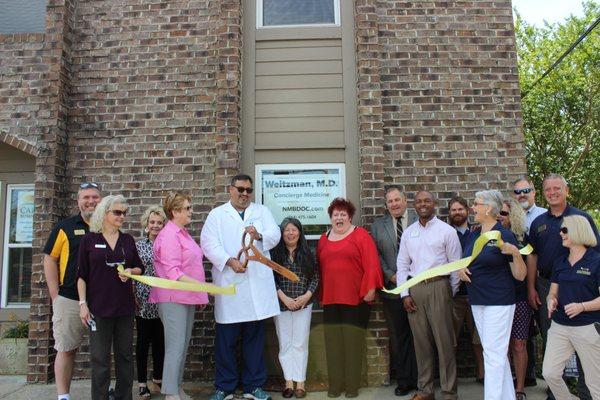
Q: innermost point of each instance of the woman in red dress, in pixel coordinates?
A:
(350, 275)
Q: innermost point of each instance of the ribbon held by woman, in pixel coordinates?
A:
(458, 264)
(176, 285)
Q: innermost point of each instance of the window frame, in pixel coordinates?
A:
(7, 245)
(259, 18)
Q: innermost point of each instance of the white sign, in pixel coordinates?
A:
(302, 191)
(24, 220)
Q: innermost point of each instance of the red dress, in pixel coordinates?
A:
(349, 268)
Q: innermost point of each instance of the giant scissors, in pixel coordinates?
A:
(258, 256)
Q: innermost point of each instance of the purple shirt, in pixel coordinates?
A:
(106, 294)
(176, 254)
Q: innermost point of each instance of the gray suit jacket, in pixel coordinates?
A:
(384, 234)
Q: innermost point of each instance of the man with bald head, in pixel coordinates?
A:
(428, 243)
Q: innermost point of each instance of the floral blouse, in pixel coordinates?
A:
(144, 308)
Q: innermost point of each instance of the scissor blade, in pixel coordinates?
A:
(281, 270)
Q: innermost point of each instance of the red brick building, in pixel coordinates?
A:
(145, 96)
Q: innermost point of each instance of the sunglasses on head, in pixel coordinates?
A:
(504, 213)
(525, 191)
(564, 230)
(242, 189)
(119, 213)
(89, 185)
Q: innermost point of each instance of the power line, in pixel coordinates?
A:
(562, 57)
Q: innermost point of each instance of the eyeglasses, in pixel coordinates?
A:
(524, 191)
(504, 213)
(119, 213)
(564, 230)
(89, 185)
(188, 208)
(114, 264)
(242, 189)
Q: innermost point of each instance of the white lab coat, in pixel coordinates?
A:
(221, 238)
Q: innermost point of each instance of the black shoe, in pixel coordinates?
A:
(530, 382)
(403, 390)
(144, 392)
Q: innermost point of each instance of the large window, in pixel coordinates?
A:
(18, 235)
(22, 16)
(281, 13)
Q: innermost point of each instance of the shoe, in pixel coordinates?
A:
(529, 382)
(521, 396)
(422, 396)
(111, 394)
(403, 390)
(221, 395)
(300, 393)
(257, 394)
(351, 395)
(144, 392)
(333, 395)
(287, 393)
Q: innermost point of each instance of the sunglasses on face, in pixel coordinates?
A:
(564, 230)
(242, 189)
(525, 191)
(119, 213)
(114, 264)
(504, 213)
(188, 208)
(89, 185)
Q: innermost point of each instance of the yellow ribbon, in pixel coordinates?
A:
(176, 285)
(458, 264)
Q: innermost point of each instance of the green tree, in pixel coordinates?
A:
(561, 114)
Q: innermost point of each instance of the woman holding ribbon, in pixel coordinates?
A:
(293, 324)
(491, 288)
(350, 275)
(107, 304)
(512, 217)
(574, 306)
(179, 258)
(148, 325)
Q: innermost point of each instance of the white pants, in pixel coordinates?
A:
(494, 324)
(293, 329)
(563, 341)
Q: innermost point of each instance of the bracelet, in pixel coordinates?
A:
(583, 306)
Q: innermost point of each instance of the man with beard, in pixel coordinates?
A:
(386, 232)
(458, 215)
(524, 193)
(544, 236)
(60, 269)
(428, 243)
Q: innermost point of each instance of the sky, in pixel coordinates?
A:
(536, 11)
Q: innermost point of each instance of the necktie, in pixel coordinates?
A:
(399, 229)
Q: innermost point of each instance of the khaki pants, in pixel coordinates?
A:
(432, 327)
(562, 342)
(462, 312)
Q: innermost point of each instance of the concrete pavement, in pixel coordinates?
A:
(16, 388)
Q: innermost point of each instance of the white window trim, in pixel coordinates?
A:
(9, 190)
(259, 18)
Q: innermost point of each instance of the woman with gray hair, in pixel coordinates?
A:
(106, 300)
(147, 322)
(490, 284)
(512, 216)
(574, 306)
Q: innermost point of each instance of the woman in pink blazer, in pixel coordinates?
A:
(179, 258)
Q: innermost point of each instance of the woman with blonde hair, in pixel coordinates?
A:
(512, 216)
(177, 257)
(574, 306)
(106, 300)
(148, 325)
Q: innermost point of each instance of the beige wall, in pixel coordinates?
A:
(16, 167)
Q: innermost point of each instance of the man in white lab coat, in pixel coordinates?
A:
(242, 314)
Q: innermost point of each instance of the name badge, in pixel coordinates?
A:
(79, 232)
(541, 228)
(584, 271)
(100, 246)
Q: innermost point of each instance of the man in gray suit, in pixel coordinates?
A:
(387, 231)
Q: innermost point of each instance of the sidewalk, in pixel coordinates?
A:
(16, 388)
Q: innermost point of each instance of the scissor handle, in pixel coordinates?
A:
(245, 249)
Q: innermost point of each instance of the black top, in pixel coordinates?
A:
(577, 284)
(295, 289)
(107, 295)
(63, 244)
(546, 241)
(492, 282)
